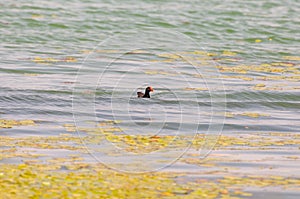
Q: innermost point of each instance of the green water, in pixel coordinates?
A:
(62, 61)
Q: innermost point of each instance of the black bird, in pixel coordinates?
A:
(147, 92)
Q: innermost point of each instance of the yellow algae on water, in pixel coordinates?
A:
(70, 59)
(42, 181)
(253, 114)
(228, 53)
(86, 51)
(49, 60)
(285, 64)
(26, 122)
(265, 65)
(11, 123)
(259, 87)
(30, 74)
(107, 51)
(160, 72)
(245, 78)
(195, 89)
(199, 52)
(228, 114)
(70, 127)
(211, 54)
(139, 52)
(248, 114)
(38, 60)
(292, 58)
(170, 56)
(37, 16)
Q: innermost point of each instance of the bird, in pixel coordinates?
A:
(146, 94)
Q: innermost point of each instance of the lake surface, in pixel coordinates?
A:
(217, 67)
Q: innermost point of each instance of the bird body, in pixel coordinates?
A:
(146, 94)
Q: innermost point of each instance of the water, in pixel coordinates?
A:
(87, 59)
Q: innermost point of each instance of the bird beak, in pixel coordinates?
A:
(151, 89)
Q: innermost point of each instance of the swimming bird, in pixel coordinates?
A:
(147, 92)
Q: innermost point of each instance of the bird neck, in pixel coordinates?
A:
(147, 93)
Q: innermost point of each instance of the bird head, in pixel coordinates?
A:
(150, 89)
